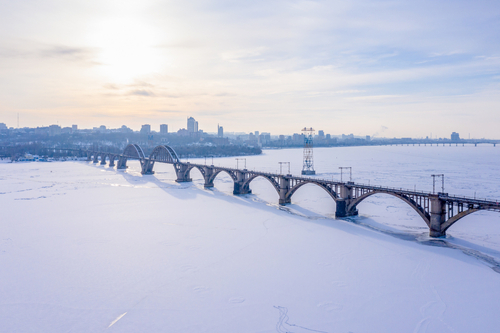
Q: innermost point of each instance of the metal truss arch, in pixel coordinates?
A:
(329, 190)
(199, 168)
(165, 154)
(133, 151)
(271, 179)
(419, 209)
(457, 217)
(218, 171)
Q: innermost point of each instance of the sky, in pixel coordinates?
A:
(380, 68)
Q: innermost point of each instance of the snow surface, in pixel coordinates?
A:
(87, 248)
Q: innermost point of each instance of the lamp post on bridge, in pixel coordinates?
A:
(434, 182)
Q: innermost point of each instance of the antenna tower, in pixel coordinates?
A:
(308, 165)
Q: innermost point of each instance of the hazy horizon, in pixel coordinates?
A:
(394, 68)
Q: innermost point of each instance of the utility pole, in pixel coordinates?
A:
(281, 165)
(237, 164)
(434, 182)
(350, 173)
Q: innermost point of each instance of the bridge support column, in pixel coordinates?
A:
(208, 175)
(341, 210)
(96, 158)
(103, 159)
(182, 171)
(240, 186)
(112, 160)
(147, 167)
(284, 189)
(438, 217)
(344, 202)
(122, 163)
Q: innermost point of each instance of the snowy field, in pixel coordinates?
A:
(88, 248)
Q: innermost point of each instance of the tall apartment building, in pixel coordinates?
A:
(163, 129)
(146, 129)
(192, 125)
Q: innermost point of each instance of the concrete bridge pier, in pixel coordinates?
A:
(438, 217)
(241, 186)
(122, 163)
(182, 171)
(112, 160)
(147, 167)
(341, 210)
(284, 189)
(96, 158)
(344, 202)
(208, 174)
(103, 159)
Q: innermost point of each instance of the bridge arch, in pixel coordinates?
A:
(133, 151)
(164, 153)
(218, 171)
(457, 217)
(270, 179)
(191, 167)
(419, 209)
(329, 190)
(161, 153)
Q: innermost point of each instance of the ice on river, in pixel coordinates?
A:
(88, 248)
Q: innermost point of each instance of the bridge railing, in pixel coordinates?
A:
(479, 201)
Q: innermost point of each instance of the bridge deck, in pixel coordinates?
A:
(482, 203)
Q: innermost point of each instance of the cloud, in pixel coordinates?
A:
(168, 111)
(25, 49)
(378, 60)
(68, 53)
(141, 93)
(142, 84)
(225, 94)
(182, 44)
(243, 55)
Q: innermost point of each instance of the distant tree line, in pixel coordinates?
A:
(216, 151)
(35, 148)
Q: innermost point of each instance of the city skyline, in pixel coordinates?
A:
(164, 129)
(396, 69)
(192, 127)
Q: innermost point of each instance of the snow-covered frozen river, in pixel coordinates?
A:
(87, 248)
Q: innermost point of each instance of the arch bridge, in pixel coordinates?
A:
(439, 211)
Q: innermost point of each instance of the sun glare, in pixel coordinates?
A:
(127, 49)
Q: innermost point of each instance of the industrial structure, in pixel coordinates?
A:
(308, 164)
